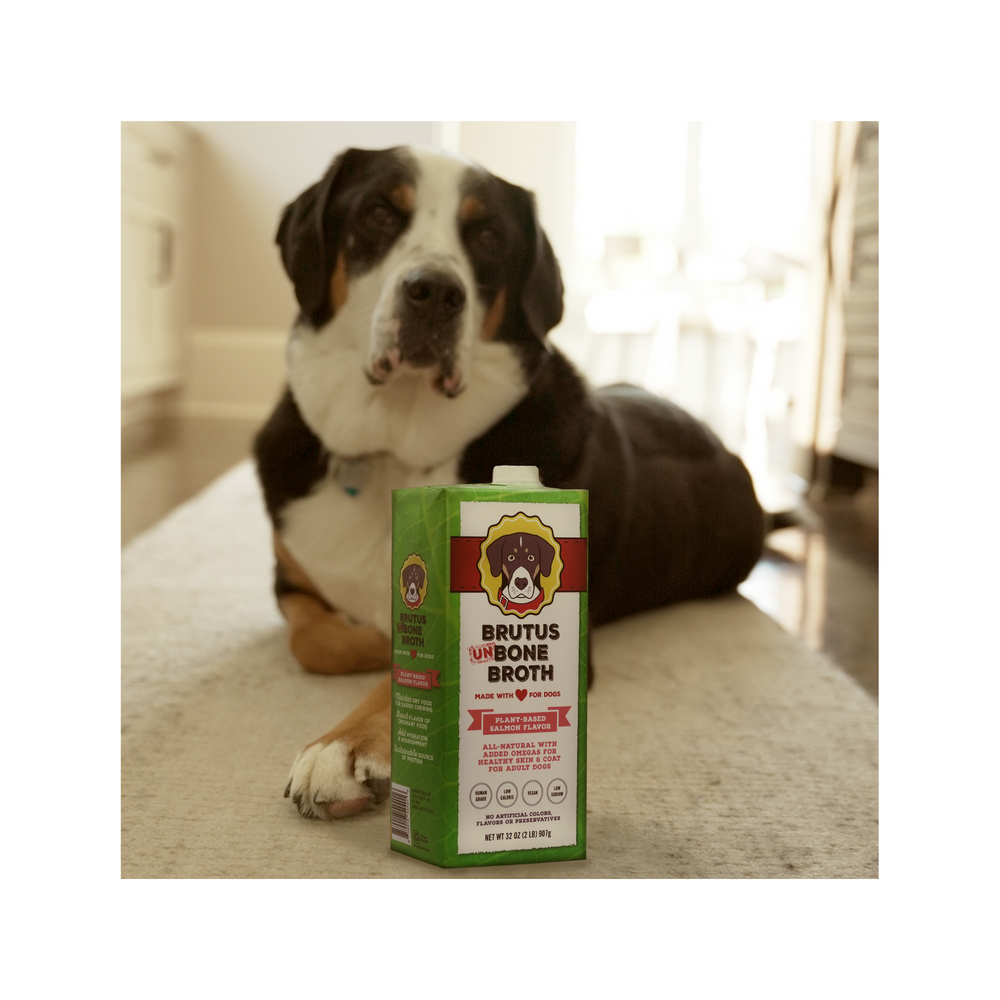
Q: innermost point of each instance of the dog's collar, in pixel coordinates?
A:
(533, 605)
(351, 474)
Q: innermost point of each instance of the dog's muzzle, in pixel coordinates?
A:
(428, 312)
(521, 585)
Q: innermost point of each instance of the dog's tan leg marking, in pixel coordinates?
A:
(338, 284)
(321, 638)
(349, 768)
(494, 318)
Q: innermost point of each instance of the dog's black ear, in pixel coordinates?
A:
(541, 296)
(305, 252)
(546, 553)
(421, 576)
(309, 237)
(494, 553)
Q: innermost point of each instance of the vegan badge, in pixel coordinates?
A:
(520, 565)
(413, 581)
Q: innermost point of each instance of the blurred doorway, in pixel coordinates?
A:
(689, 270)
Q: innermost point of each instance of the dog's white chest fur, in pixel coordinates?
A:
(406, 418)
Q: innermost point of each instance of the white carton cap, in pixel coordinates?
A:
(516, 475)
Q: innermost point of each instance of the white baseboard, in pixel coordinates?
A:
(227, 411)
(233, 374)
(149, 407)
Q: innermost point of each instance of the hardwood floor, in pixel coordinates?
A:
(169, 462)
(819, 581)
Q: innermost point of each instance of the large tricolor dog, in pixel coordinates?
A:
(427, 289)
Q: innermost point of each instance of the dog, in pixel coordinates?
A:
(427, 288)
(519, 559)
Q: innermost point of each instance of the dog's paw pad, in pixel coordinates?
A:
(341, 810)
(328, 781)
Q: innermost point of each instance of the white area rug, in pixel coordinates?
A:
(719, 746)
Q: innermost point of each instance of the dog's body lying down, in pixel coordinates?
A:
(427, 289)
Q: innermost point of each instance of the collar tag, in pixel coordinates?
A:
(351, 474)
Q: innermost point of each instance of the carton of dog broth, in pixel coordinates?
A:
(489, 672)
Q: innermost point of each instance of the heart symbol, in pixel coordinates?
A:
(521, 693)
(413, 654)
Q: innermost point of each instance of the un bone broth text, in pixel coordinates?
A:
(493, 652)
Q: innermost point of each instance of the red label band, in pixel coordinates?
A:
(491, 724)
(425, 679)
(467, 551)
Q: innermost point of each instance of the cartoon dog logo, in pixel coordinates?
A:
(520, 565)
(413, 581)
(521, 559)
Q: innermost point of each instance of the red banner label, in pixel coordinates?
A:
(466, 552)
(492, 724)
(425, 679)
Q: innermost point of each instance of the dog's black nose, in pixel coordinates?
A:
(521, 582)
(430, 303)
(433, 294)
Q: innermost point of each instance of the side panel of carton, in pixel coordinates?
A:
(423, 746)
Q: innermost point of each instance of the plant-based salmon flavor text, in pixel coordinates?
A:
(489, 672)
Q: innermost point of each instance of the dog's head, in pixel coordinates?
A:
(520, 559)
(412, 257)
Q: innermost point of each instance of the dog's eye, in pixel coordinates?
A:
(531, 558)
(510, 558)
(486, 242)
(382, 218)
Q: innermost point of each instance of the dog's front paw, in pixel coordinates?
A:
(330, 780)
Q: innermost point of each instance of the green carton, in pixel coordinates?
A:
(489, 672)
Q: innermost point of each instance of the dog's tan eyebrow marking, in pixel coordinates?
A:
(471, 208)
(494, 318)
(338, 283)
(403, 197)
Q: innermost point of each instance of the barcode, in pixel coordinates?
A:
(400, 819)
